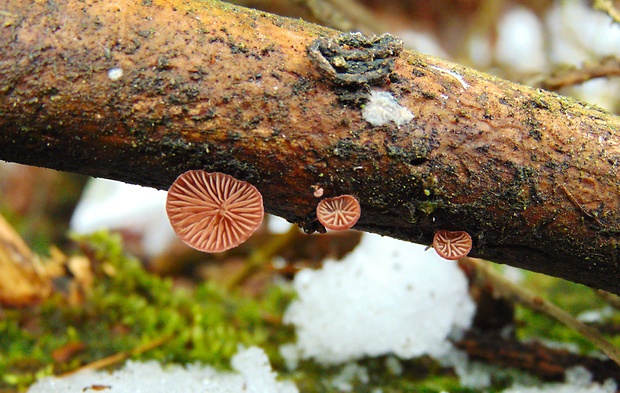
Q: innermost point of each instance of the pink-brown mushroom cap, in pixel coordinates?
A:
(338, 213)
(452, 245)
(213, 212)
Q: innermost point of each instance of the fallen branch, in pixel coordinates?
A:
(143, 91)
(534, 357)
(606, 67)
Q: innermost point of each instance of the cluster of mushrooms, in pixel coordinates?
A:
(214, 212)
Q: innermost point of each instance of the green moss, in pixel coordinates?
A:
(130, 307)
(427, 207)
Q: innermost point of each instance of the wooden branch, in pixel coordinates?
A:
(606, 67)
(534, 357)
(143, 91)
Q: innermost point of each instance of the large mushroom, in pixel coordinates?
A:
(213, 212)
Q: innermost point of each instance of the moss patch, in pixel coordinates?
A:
(128, 308)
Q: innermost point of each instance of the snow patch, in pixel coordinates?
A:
(423, 42)
(115, 73)
(352, 372)
(277, 224)
(387, 296)
(578, 380)
(578, 33)
(383, 108)
(253, 374)
(520, 44)
(108, 204)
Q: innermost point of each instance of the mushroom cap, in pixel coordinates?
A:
(338, 213)
(452, 245)
(213, 212)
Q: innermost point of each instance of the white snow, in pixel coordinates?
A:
(387, 296)
(252, 374)
(520, 44)
(422, 42)
(579, 33)
(594, 316)
(108, 204)
(472, 374)
(383, 108)
(578, 380)
(480, 50)
(115, 73)
(277, 224)
(350, 373)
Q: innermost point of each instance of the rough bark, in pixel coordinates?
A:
(532, 176)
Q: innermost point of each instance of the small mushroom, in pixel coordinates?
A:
(318, 192)
(452, 245)
(338, 213)
(213, 212)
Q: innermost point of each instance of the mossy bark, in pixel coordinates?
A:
(532, 176)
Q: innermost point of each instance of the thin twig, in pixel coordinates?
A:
(607, 67)
(610, 298)
(607, 6)
(120, 356)
(9, 14)
(511, 291)
(261, 256)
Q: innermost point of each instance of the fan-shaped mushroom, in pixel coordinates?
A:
(452, 245)
(338, 213)
(213, 212)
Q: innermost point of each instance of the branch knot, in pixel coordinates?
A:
(354, 59)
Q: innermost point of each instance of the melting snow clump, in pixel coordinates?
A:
(383, 108)
(578, 380)
(344, 380)
(387, 296)
(114, 205)
(253, 375)
(527, 53)
(115, 73)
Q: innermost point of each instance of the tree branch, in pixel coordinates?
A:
(532, 176)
